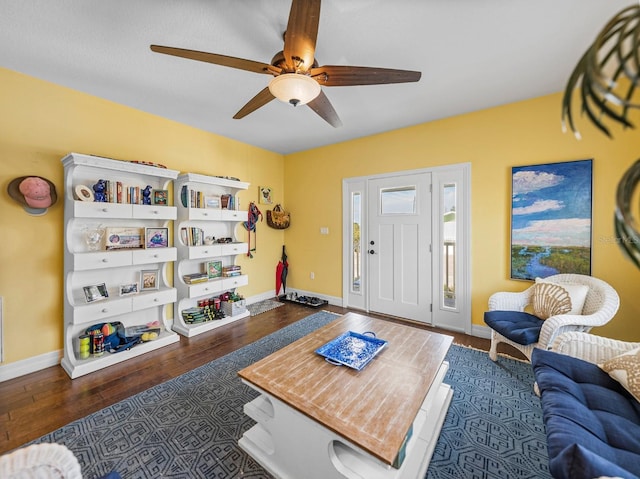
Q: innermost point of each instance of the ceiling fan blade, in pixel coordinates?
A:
(256, 102)
(338, 75)
(302, 32)
(226, 61)
(323, 107)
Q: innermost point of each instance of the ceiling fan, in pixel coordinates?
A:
(297, 76)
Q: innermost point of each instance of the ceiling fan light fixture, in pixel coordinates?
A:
(294, 88)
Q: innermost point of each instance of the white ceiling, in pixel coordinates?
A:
(473, 54)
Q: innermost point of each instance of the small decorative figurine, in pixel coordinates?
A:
(146, 195)
(99, 189)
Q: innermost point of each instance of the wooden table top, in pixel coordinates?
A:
(374, 407)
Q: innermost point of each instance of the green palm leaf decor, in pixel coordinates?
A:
(607, 75)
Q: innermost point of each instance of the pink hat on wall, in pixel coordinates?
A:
(34, 193)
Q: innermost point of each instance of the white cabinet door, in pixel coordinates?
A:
(100, 260)
(154, 255)
(101, 311)
(203, 289)
(202, 252)
(236, 281)
(234, 248)
(150, 300)
(204, 214)
(83, 209)
(154, 212)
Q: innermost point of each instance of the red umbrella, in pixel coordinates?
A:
(281, 273)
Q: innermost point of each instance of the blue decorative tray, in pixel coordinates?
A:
(351, 349)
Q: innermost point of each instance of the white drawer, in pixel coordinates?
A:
(101, 260)
(236, 281)
(85, 209)
(154, 212)
(100, 311)
(150, 299)
(200, 252)
(210, 214)
(154, 255)
(234, 215)
(234, 248)
(208, 288)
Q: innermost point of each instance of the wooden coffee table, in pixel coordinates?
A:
(318, 420)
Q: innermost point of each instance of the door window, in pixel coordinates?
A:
(398, 201)
(449, 250)
(356, 242)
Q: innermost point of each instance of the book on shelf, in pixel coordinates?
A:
(229, 274)
(195, 278)
(198, 315)
(198, 199)
(232, 270)
(117, 192)
(192, 236)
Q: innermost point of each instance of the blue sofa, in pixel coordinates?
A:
(592, 422)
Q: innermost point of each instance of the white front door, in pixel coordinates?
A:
(398, 246)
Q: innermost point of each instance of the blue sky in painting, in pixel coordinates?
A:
(551, 204)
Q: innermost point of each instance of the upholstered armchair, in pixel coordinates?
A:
(511, 324)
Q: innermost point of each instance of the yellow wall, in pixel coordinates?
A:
(40, 123)
(492, 141)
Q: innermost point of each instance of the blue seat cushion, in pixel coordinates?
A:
(518, 326)
(591, 421)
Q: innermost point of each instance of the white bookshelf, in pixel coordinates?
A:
(113, 268)
(200, 211)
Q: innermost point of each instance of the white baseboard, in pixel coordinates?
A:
(46, 360)
(480, 331)
(29, 365)
(333, 300)
(260, 297)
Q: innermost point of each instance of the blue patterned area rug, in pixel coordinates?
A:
(189, 427)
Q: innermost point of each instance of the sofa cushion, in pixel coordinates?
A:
(626, 370)
(520, 327)
(583, 406)
(581, 462)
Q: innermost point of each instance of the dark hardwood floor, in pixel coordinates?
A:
(38, 403)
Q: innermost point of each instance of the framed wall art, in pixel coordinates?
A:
(214, 269)
(123, 238)
(156, 237)
(129, 288)
(264, 195)
(160, 197)
(551, 219)
(149, 279)
(212, 201)
(95, 292)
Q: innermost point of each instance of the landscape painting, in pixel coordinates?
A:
(551, 219)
